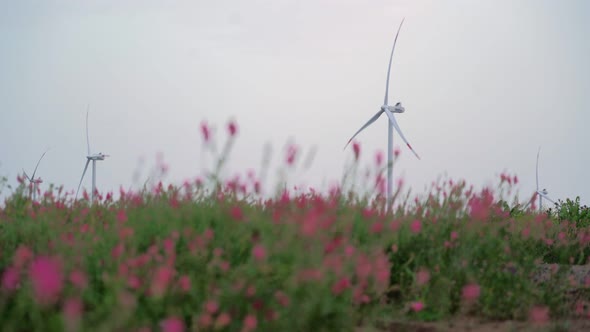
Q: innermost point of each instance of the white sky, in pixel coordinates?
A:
(484, 83)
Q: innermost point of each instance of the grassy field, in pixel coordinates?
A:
(214, 256)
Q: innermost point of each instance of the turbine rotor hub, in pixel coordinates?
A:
(398, 108)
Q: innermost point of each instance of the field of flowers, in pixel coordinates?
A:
(212, 255)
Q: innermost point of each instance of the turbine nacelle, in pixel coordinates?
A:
(544, 192)
(98, 156)
(398, 108)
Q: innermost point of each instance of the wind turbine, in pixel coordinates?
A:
(34, 182)
(90, 157)
(542, 193)
(391, 125)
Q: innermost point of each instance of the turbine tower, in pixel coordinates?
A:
(391, 125)
(90, 157)
(542, 193)
(34, 182)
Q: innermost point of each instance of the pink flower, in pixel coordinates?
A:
(282, 298)
(250, 323)
(379, 158)
(121, 216)
(291, 154)
(356, 148)
(259, 252)
(416, 226)
(222, 320)
(471, 292)
(205, 131)
(161, 280)
(205, 320)
(72, 308)
(184, 283)
(309, 225)
(417, 306)
(232, 128)
(78, 278)
(211, 307)
(250, 291)
(117, 250)
(394, 248)
(539, 315)
(22, 256)
(236, 213)
(377, 227)
(422, 277)
(454, 235)
(47, 279)
(10, 279)
(349, 250)
(133, 282)
(340, 286)
(172, 324)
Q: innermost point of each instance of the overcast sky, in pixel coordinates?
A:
(484, 84)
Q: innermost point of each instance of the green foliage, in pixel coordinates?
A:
(571, 210)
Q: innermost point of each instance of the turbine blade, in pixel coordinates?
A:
(546, 197)
(25, 173)
(395, 125)
(38, 162)
(82, 178)
(537, 169)
(87, 138)
(371, 120)
(390, 60)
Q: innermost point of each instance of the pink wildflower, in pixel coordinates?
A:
(205, 320)
(47, 279)
(282, 298)
(161, 280)
(78, 278)
(72, 308)
(211, 307)
(340, 286)
(222, 320)
(232, 128)
(422, 277)
(22, 256)
(291, 154)
(121, 216)
(250, 323)
(417, 306)
(377, 227)
(309, 225)
(416, 226)
(471, 292)
(539, 315)
(184, 283)
(172, 324)
(205, 131)
(10, 279)
(379, 158)
(356, 148)
(259, 252)
(236, 213)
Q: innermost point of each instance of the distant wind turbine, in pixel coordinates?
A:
(34, 182)
(90, 157)
(392, 124)
(542, 193)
